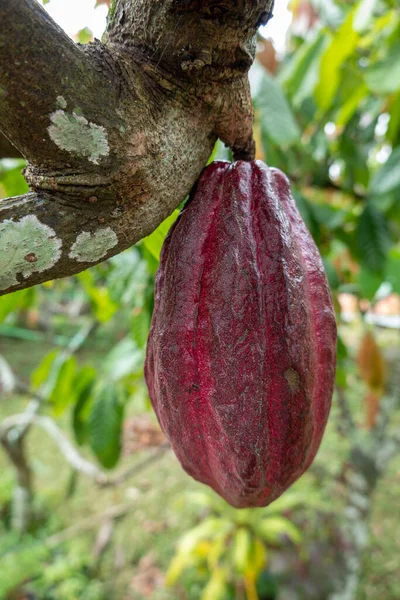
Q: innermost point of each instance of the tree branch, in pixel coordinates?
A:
(112, 512)
(71, 454)
(116, 133)
(65, 446)
(14, 447)
(43, 71)
(137, 468)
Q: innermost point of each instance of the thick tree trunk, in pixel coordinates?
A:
(116, 133)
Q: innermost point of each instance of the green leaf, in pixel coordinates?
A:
(153, 243)
(341, 48)
(215, 549)
(330, 217)
(12, 182)
(258, 558)
(393, 132)
(123, 360)
(368, 283)
(248, 554)
(140, 327)
(384, 76)
(100, 297)
(300, 76)
(289, 501)
(13, 302)
(331, 274)
(42, 372)
(217, 587)
(341, 349)
(350, 106)
(341, 376)
(84, 385)
(105, 425)
(274, 529)
(54, 378)
(387, 178)
(392, 272)
(210, 528)
(63, 391)
(241, 552)
(85, 35)
(277, 120)
(178, 564)
(373, 239)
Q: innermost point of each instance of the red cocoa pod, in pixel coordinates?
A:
(240, 359)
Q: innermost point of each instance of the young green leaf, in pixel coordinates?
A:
(373, 239)
(84, 385)
(384, 76)
(341, 48)
(105, 425)
(387, 178)
(277, 119)
(154, 242)
(274, 529)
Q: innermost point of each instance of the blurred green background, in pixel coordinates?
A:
(93, 504)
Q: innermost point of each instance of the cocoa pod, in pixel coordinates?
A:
(240, 359)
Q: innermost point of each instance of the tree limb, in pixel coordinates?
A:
(21, 511)
(71, 454)
(42, 71)
(137, 468)
(112, 512)
(65, 446)
(116, 133)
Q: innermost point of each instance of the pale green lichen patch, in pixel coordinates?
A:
(61, 102)
(75, 134)
(26, 246)
(89, 247)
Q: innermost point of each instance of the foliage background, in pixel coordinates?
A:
(328, 114)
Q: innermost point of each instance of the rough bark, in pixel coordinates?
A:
(116, 132)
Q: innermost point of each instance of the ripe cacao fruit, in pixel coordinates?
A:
(241, 354)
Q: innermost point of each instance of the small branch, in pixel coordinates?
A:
(21, 509)
(80, 464)
(135, 469)
(8, 381)
(65, 446)
(113, 512)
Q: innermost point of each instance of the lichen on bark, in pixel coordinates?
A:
(26, 246)
(73, 133)
(90, 247)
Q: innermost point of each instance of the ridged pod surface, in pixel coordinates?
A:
(240, 359)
